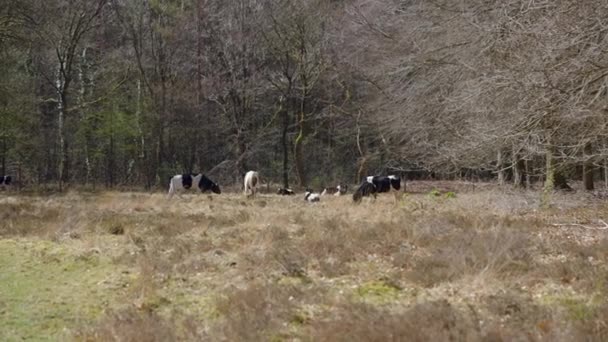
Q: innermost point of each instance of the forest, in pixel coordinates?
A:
(308, 92)
(483, 108)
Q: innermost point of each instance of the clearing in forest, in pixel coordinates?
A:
(437, 265)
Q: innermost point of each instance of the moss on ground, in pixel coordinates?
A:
(378, 292)
(46, 289)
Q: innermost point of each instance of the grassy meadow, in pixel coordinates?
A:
(447, 262)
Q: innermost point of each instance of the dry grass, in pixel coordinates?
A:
(485, 264)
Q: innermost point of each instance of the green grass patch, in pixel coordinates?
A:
(46, 289)
(378, 292)
(577, 308)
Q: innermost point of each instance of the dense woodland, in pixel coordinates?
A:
(308, 92)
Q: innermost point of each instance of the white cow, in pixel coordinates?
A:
(310, 196)
(252, 179)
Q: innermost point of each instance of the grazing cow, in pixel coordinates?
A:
(251, 182)
(5, 181)
(337, 191)
(373, 185)
(285, 191)
(185, 181)
(311, 196)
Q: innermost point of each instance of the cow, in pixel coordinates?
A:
(337, 191)
(285, 192)
(185, 181)
(311, 196)
(373, 185)
(5, 181)
(252, 179)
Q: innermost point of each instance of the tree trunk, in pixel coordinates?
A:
(85, 84)
(61, 116)
(298, 148)
(588, 167)
(519, 170)
(199, 139)
(110, 173)
(3, 156)
(527, 174)
(160, 150)
(362, 161)
(549, 173)
(297, 152)
(500, 168)
(362, 169)
(285, 148)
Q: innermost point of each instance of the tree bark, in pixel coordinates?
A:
(297, 151)
(62, 104)
(3, 156)
(199, 139)
(500, 168)
(549, 185)
(85, 84)
(588, 167)
(519, 170)
(285, 147)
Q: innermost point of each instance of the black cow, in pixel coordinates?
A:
(207, 184)
(373, 185)
(5, 181)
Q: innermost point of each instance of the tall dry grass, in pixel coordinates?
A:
(486, 265)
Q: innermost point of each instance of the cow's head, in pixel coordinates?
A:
(395, 182)
(216, 188)
(207, 184)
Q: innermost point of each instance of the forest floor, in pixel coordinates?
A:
(448, 261)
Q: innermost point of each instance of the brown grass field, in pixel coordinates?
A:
(480, 263)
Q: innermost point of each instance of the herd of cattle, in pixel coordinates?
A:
(371, 186)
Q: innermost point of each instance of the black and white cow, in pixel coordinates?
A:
(185, 181)
(5, 181)
(285, 192)
(373, 185)
(252, 178)
(311, 196)
(336, 191)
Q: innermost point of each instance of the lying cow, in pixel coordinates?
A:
(311, 196)
(185, 181)
(337, 191)
(285, 192)
(251, 182)
(373, 185)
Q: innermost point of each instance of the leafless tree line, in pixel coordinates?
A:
(307, 91)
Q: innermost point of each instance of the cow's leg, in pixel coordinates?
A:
(171, 190)
(375, 197)
(398, 196)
